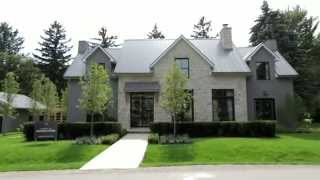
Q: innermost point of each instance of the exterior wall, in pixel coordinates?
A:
(276, 88)
(201, 81)
(75, 114)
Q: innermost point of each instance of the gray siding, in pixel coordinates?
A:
(275, 88)
(75, 114)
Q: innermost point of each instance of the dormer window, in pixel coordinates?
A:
(183, 64)
(263, 71)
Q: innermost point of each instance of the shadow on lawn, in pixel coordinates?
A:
(71, 153)
(179, 152)
(38, 144)
(306, 136)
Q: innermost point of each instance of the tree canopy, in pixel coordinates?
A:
(202, 29)
(155, 33)
(54, 54)
(10, 87)
(105, 40)
(10, 40)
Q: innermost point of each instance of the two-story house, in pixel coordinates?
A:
(227, 83)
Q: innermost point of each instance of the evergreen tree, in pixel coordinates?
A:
(105, 40)
(202, 29)
(10, 41)
(155, 33)
(175, 96)
(54, 54)
(96, 92)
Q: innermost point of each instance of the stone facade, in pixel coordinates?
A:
(201, 81)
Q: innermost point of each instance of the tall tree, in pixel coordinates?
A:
(10, 40)
(10, 87)
(202, 29)
(175, 96)
(155, 33)
(105, 40)
(96, 92)
(54, 54)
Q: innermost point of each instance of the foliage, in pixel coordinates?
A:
(155, 33)
(37, 96)
(109, 139)
(220, 128)
(54, 54)
(50, 96)
(105, 40)
(75, 130)
(153, 138)
(96, 91)
(202, 29)
(174, 95)
(24, 68)
(64, 100)
(10, 40)
(294, 32)
(10, 87)
(18, 155)
(170, 139)
(88, 140)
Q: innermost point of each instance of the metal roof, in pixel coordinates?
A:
(20, 101)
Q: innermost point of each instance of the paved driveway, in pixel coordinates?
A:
(126, 153)
(249, 172)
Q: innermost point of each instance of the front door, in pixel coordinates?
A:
(141, 113)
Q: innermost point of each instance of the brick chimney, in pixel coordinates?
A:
(226, 37)
(83, 46)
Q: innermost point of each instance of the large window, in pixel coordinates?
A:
(223, 104)
(265, 109)
(183, 64)
(263, 71)
(187, 115)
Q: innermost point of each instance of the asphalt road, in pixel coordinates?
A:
(244, 172)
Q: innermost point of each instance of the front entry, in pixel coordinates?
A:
(141, 109)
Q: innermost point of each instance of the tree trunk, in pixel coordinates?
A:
(91, 125)
(174, 126)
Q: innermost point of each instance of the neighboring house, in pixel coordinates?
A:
(227, 83)
(22, 105)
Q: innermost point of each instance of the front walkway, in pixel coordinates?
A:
(126, 153)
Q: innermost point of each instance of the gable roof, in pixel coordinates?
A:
(181, 38)
(20, 101)
(249, 55)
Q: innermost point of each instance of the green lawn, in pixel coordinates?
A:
(285, 149)
(16, 154)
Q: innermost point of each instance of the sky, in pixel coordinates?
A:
(133, 19)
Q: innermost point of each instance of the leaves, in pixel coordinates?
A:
(10, 88)
(105, 40)
(10, 41)
(96, 90)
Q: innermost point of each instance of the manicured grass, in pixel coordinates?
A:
(285, 149)
(16, 154)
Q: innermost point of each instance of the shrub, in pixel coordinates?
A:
(88, 140)
(180, 139)
(109, 139)
(153, 138)
(75, 130)
(227, 128)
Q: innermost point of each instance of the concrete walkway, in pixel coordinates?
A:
(126, 153)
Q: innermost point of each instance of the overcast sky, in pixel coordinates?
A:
(133, 19)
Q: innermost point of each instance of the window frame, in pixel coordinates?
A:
(188, 61)
(273, 104)
(267, 70)
(224, 97)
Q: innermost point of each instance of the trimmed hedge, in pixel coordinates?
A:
(74, 130)
(223, 128)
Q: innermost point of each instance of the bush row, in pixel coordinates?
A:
(226, 128)
(75, 130)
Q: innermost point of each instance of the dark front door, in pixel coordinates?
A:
(141, 113)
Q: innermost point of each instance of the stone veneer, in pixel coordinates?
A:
(201, 81)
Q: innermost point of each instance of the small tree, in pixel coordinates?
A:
(10, 88)
(50, 97)
(175, 95)
(96, 92)
(155, 33)
(64, 102)
(37, 96)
